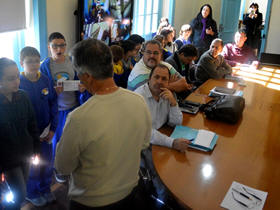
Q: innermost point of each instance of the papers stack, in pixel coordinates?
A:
(237, 79)
(220, 91)
(201, 139)
(240, 196)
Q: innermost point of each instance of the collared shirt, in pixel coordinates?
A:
(162, 112)
(140, 74)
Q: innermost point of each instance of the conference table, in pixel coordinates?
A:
(247, 152)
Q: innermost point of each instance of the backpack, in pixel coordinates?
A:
(227, 108)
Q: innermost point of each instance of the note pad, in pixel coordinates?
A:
(203, 140)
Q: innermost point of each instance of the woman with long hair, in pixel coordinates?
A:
(253, 22)
(204, 29)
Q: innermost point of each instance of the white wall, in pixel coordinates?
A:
(60, 18)
(273, 43)
(262, 6)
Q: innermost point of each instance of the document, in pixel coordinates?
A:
(220, 91)
(201, 139)
(240, 196)
(204, 138)
(71, 85)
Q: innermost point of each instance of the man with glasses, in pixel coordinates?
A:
(151, 57)
(58, 67)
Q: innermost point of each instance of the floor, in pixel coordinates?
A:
(60, 192)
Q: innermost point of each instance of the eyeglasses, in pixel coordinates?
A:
(30, 62)
(12, 78)
(150, 52)
(55, 46)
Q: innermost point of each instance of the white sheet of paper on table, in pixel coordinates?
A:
(71, 85)
(204, 138)
(253, 204)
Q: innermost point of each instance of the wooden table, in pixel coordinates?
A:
(247, 152)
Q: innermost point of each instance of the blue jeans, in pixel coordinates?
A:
(16, 179)
(40, 176)
(62, 115)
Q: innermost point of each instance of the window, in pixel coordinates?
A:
(12, 42)
(146, 17)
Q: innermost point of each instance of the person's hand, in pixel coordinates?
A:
(251, 15)
(185, 84)
(173, 78)
(256, 15)
(82, 88)
(167, 94)
(58, 89)
(209, 31)
(180, 144)
(255, 64)
(49, 137)
(238, 64)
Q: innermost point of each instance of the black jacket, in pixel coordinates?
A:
(19, 137)
(196, 24)
(253, 29)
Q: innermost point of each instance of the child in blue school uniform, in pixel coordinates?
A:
(58, 67)
(19, 137)
(44, 101)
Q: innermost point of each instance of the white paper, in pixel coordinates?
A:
(71, 85)
(204, 138)
(252, 203)
(45, 131)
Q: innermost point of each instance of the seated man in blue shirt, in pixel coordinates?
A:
(163, 107)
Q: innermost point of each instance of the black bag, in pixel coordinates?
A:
(227, 108)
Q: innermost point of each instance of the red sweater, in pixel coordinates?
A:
(234, 54)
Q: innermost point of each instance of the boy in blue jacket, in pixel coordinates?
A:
(44, 101)
(59, 67)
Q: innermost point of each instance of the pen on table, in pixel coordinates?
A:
(240, 193)
(192, 139)
(251, 194)
(243, 204)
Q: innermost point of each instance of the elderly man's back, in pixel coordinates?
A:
(107, 134)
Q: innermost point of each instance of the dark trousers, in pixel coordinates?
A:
(16, 179)
(40, 176)
(133, 201)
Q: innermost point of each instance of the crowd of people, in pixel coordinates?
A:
(93, 136)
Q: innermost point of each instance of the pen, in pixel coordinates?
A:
(243, 204)
(191, 139)
(240, 193)
(251, 194)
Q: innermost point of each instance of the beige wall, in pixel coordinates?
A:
(60, 18)
(185, 11)
(273, 43)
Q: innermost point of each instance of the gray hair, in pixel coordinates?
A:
(153, 41)
(218, 40)
(94, 57)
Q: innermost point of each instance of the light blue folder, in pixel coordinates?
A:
(181, 131)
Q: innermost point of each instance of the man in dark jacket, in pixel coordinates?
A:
(182, 61)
